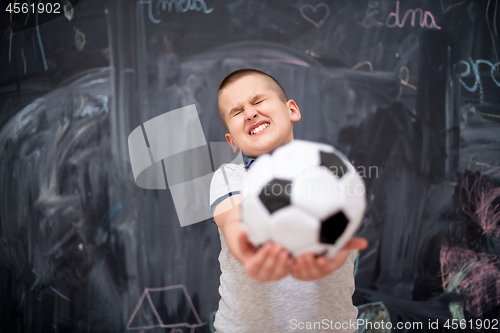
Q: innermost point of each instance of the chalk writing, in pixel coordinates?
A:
(314, 9)
(146, 294)
(478, 85)
(450, 6)
(369, 21)
(393, 19)
(181, 6)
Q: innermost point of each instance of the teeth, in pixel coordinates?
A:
(258, 129)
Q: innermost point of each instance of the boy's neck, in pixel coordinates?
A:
(248, 159)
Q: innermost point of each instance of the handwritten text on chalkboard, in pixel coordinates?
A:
(394, 19)
(181, 6)
(478, 85)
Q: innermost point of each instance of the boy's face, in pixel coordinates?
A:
(252, 103)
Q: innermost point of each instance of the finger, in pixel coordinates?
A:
(327, 266)
(269, 262)
(356, 243)
(246, 248)
(314, 270)
(282, 267)
(254, 264)
(296, 267)
(308, 270)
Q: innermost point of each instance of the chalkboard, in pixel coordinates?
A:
(408, 90)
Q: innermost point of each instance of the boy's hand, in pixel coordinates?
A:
(271, 262)
(308, 268)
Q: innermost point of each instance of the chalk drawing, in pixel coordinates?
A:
(478, 85)
(79, 39)
(450, 6)
(68, 10)
(24, 61)
(339, 35)
(478, 204)
(181, 6)
(377, 53)
(146, 294)
(374, 312)
(10, 45)
(363, 63)
(495, 18)
(473, 275)
(287, 61)
(488, 22)
(59, 293)
(404, 81)
(315, 9)
(40, 40)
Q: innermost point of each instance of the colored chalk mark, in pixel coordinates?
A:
(314, 10)
(146, 295)
(363, 63)
(478, 84)
(374, 312)
(393, 20)
(450, 6)
(180, 6)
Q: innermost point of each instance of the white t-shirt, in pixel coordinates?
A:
(287, 305)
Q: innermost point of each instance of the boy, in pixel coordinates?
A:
(265, 290)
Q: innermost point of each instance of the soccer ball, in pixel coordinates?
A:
(305, 196)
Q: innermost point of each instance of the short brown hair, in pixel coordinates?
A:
(238, 74)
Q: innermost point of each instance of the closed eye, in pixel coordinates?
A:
(259, 102)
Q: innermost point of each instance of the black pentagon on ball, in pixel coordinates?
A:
(332, 228)
(276, 194)
(333, 162)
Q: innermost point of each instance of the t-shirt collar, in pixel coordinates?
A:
(247, 160)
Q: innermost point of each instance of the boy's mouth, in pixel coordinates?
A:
(257, 129)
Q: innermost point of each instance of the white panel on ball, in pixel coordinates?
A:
(258, 230)
(318, 192)
(294, 228)
(291, 159)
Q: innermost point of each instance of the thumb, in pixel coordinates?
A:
(246, 248)
(356, 243)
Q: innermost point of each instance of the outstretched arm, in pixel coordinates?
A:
(271, 262)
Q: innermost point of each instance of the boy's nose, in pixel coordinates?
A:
(251, 113)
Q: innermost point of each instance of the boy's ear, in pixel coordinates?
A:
(232, 143)
(294, 110)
